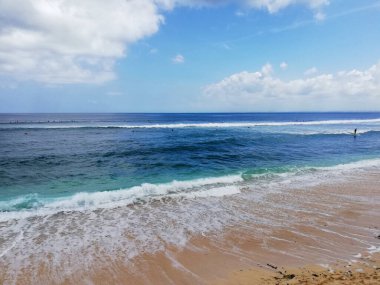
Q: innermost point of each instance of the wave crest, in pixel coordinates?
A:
(190, 125)
(32, 204)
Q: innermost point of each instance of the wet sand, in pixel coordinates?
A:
(325, 234)
(336, 242)
(365, 271)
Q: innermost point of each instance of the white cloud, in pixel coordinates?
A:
(355, 89)
(283, 65)
(267, 69)
(71, 41)
(311, 71)
(179, 58)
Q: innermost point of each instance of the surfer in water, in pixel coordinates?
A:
(355, 132)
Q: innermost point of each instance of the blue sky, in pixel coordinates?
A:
(189, 56)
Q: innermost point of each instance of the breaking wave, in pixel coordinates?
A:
(186, 125)
(34, 205)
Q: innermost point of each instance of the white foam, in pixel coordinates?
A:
(361, 164)
(203, 187)
(373, 249)
(326, 132)
(127, 196)
(14, 243)
(196, 125)
(324, 265)
(213, 192)
(32, 199)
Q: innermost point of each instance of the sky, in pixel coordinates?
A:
(189, 55)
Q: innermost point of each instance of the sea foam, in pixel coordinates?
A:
(202, 187)
(191, 189)
(189, 125)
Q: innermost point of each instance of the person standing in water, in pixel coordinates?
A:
(355, 132)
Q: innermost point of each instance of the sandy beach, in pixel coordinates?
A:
(340, 246)
(336, 242)
(325, 234)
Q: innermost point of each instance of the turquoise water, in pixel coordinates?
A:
(47, 159)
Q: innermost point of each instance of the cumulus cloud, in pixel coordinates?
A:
(355, 89)
(179, 58)
(71, 41)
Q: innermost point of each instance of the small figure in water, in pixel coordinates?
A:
(355, 132)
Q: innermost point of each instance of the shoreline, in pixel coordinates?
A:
(242, 253)
(333, 223)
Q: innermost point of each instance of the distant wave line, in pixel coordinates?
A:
(189, 125)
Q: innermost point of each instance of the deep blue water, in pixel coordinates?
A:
(50, 156)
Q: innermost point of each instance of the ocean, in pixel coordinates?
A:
(75, 179)
(47, 159)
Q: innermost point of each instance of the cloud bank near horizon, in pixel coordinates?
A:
(68, 41)
(357, 89)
